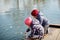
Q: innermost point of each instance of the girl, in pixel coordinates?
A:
(37, 31)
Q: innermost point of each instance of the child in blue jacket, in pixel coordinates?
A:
(40, 17)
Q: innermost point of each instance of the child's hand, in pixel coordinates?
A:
(25, 35)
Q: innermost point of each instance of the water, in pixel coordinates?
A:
(12, 25)
(52, 10)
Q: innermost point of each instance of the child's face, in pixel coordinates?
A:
(35, 16)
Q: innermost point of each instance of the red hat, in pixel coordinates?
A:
(35, 12)
(28, 21)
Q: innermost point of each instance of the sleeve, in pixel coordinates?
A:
(28, 30)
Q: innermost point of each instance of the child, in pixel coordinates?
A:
(43, 21)
(37, 31)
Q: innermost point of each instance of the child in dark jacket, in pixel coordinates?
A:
(37, 31)
(40, 17)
